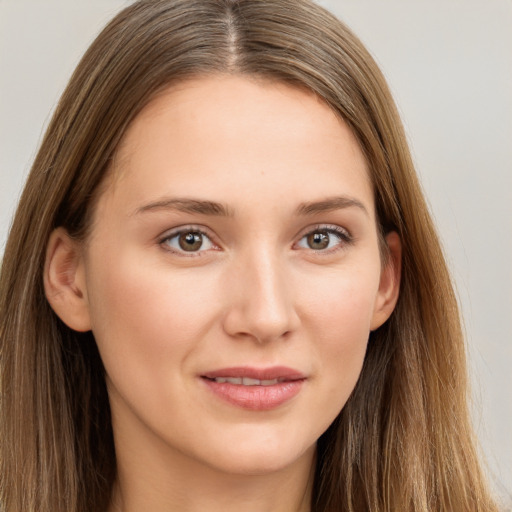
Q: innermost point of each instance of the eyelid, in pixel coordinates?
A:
(188, 228)
(344, 234)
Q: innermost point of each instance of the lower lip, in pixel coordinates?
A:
(256, 398)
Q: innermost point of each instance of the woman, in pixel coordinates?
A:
(223, 288)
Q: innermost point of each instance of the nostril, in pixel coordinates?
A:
(261, 306)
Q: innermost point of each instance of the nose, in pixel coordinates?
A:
(261, 300)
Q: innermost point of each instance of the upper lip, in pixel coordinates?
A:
(281, 373)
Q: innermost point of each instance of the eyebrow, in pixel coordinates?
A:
(330, 204)
(187, 206)
(205, 207)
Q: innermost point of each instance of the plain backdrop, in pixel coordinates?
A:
(449, 66)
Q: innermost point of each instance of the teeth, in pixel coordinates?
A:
(231, 380)
(246, 381)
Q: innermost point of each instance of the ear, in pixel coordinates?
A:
(389, 285)
(64, 280)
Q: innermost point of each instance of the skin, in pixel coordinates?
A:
(255, 293)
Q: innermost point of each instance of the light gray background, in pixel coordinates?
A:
(449, 65)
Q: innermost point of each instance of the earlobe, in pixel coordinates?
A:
(64, 280)
(389, 286)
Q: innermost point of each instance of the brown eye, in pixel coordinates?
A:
(325, 239)
(318, 240)
(190, 241)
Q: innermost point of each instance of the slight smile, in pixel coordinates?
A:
(255, 389)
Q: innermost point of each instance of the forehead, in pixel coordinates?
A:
(233, 134)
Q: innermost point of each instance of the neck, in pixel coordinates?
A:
(175, 489)
(162, 480)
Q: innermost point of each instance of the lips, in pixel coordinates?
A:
(247, 381)
(255, 389)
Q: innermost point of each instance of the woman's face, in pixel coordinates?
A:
(233, 275)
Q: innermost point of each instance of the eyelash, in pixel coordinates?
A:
(344, 239)
(183, 231)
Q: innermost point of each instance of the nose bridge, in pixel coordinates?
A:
(262, 306)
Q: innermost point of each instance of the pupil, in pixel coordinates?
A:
(191, 241)
(318, 240)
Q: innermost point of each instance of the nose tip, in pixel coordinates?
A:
(261, 304)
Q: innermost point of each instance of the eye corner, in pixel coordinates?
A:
(329, 239)
(188, 241)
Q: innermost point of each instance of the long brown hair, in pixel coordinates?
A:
(403, 442)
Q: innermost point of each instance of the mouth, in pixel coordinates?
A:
(246, 381)
(255, 389)
(248, 376)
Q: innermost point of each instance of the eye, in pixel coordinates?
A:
(324, 239)
(190, 240)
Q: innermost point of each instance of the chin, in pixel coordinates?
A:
(261, 459)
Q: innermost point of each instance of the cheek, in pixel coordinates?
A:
(338, 319)
(142, 314)
(341, 302)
